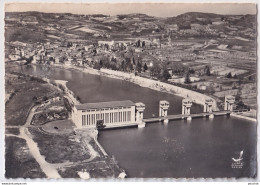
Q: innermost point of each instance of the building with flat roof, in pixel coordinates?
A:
(111, 113)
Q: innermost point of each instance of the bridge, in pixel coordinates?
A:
(186, 107)
(169, 117)
(185, 116)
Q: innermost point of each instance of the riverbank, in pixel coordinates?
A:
(197, 98)
(243, 117)
(54, 149)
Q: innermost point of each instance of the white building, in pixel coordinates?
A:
(110, 113)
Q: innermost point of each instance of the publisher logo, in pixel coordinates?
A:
(238, 162)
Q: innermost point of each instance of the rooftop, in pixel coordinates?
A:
(99, 105)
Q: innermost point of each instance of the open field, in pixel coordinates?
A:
(72, 152)
(59, 148)
(13, 131)
(101, 166)
(18, 161)
(25, 88)
(51, 112)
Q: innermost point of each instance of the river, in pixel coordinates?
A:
(197, 148)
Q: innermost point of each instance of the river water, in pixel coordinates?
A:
(197, 148)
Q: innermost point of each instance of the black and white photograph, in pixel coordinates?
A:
(130, 91)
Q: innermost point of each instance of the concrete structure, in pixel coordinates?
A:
(186, 106)
(140, 107)
(163, 109)
(229, 102)
(183, 116)
(208, 107)
(110, 113)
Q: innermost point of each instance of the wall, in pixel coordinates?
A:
(159, 86)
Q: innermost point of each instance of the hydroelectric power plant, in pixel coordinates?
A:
(126, 113)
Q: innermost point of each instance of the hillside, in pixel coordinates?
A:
(126, 25)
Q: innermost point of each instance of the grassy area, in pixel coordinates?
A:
(25, 89)
(21, 34)
(59, 148)
(101, 167)
(51, 114)
(18, 161)
(98, 169)
(72, 149)
(14, 131)
(59, 127)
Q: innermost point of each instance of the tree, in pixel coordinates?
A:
(131, 50)
(134, 61)
(94, 51)
(192, 71)
(196, 51)
(34, 98)
(166, 74)
(241, 105)
(29, 60)
(113, 59)
(145, 67)
(129, 66)
(187, 78)
(45, 98)
(69, 44)
(178, 68)
(238, 99)
(139, 67)
(100, 63)
(155, 70)
(97, 66)
(122, 67)
(78, 98)
(207, 70)
(238, 95)
(143, 44)
(229, 75)
(138, 43)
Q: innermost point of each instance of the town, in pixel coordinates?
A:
(208, 53)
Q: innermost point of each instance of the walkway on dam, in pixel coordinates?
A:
(181, 116)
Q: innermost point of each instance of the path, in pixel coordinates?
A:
(250, 75)
(46, 167)
(92, 153)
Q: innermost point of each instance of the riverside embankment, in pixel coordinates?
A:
(197, 97)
